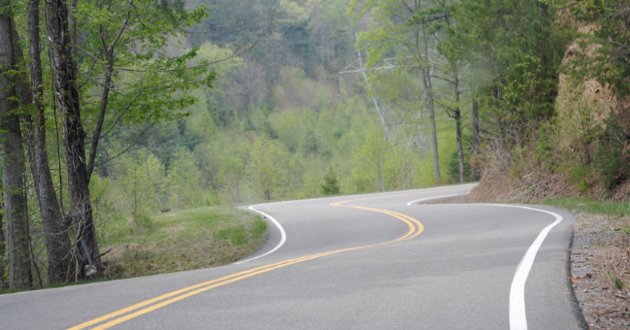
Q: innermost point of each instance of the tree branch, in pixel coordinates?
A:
(109, 52)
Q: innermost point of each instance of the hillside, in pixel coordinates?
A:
(584, 150)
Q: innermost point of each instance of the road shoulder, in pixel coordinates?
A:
(600, 269)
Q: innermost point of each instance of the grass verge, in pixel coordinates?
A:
(577, 204)
(182, 240)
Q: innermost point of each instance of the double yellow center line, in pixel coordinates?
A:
(112, 319)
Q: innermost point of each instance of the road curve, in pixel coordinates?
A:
(376, 261)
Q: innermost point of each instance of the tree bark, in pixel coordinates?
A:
(58, 245)
(15, 207)
(67, 98)
(3, 283)
(427, 82)
(476, 171)
(430, 104)
(458, 126)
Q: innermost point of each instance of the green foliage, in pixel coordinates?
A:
(370, 161)
(183, 177)
(579, 176)
(148, 83)
(330, 185)
(545, 146)
(611, 63)
(263, 168)
(453, 166)
(618, 283)
(518, 48)
(609, 163)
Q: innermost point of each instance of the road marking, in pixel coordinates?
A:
(518, 317)
(414, 226)
(117, 317)
(168, 295)
(371, 197)
(432, 198)
(399, 193)
(283, 235)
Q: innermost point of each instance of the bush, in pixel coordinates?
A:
(330, 185)
(608, 162)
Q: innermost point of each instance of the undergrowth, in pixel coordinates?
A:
(183, 240)
(581, 204)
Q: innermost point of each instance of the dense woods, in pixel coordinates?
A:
(112, 111)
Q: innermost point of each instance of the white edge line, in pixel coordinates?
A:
(518, 319)
(517, 313)
(283, 235)
(434, 197)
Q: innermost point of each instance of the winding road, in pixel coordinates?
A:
(377, 261)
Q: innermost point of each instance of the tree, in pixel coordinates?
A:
(3, 282)
(404, 31)
(184, 178)
(330, 185)
(370, 159)
(68, 101)
(263, 167)
(55, 231)
(515, 53)
(15, 208)
(443, 22)
(475, 144)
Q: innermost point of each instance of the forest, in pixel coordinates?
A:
(112, 111)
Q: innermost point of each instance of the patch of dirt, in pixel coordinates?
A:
(497, 185)
(448, 200)
(600, 264)
(622, 193)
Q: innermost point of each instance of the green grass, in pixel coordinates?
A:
(576, 204)
(7, 290)
(183, 240)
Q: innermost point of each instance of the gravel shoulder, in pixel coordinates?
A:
(600, 269)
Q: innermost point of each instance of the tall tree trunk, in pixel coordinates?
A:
(430, 104)
(3, 282)
(58, 245)
(475, 164)
(427, 82)
(460, 149)
(15, 208)
(67, 97)
(458, 126)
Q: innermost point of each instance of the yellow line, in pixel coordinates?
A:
(117, 317)
(192, 293)
(411, 222)
(170, 294)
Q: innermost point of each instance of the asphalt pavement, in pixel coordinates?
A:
(377, 261)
